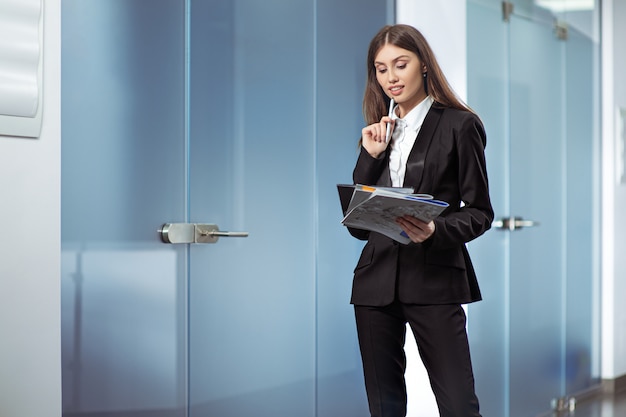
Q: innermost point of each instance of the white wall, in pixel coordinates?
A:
(441, 22)
(614, 193)
(30, 171)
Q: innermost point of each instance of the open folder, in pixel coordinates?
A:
(377, 208)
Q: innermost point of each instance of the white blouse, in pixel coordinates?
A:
(403, 138)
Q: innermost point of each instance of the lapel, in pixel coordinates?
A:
(415, 163)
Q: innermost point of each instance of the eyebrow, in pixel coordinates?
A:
(393, 60)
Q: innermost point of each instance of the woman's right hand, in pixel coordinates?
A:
(373, 136)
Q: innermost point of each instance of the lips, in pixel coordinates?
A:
(395, 90)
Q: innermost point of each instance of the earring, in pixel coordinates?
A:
(426, 82)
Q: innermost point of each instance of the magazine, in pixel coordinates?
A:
(377, 208)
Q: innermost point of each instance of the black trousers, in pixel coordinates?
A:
(442, 344)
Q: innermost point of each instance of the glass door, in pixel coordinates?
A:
(538, 188)
(229, 113)
(252, 301)
(531, 78)
(124, 349)
(271, 330)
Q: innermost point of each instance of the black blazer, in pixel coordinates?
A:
(448, 162)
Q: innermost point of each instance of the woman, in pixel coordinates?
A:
(437, 148)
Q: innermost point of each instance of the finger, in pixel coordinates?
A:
(406, 225)
(409, 222)
(380, 131)
(415, 222)
(414, 232)
(367, 132)
(372, 132)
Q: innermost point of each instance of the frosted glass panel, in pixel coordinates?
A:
(123, 291)
(252, 140)
(488, 94)
(537, 194)
(252, 300)
(535, 337)
(581, 344)
(340, 386)
(246, 136)
(271, 327)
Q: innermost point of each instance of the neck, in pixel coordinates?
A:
(406, 107)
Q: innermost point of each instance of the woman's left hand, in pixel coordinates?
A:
(416, 230)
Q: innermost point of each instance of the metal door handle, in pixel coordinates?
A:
(513, 223)
(194, 233)
(209, 233)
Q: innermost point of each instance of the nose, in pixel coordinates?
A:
(391, 76)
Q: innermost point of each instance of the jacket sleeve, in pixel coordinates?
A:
(474, 217)
(368, 169)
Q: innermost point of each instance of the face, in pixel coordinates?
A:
(400, 74)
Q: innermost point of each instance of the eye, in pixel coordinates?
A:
(401, 66)
(381, 70)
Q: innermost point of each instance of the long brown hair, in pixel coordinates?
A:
(375, 101)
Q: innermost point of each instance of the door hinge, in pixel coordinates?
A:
(507, 10)
(561, 29)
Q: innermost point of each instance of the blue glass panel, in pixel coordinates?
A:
(537, 180)
(123, 308)
(581, 352)
(487, 64)
(271, 328)
(252, 300)
(341, 73)
(545, 320)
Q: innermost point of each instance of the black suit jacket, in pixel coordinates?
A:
(448, 162)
